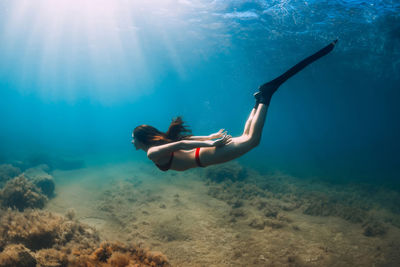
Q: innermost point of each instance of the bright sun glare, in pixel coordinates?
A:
(66, 50)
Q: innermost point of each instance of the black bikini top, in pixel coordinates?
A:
(166, 166)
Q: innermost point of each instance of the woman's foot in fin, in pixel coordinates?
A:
(260, 99)
(267, 90)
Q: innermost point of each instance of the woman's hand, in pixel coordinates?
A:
(219, 134)
(225, 139)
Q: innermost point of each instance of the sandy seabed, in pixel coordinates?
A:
(225, 216)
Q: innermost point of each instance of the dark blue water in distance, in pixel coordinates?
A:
(76, 78)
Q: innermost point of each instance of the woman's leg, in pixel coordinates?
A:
(257, 125)
(239, 145)
(267, 90)
(254, 125)
(248, 122)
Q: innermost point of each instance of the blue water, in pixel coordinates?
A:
(77, 77)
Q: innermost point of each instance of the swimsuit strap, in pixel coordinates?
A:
(197, 156)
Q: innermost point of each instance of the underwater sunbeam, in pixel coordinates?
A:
(75, 50)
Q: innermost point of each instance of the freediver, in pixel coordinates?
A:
(178, 150)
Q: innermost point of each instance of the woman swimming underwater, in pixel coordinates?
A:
(178, 150)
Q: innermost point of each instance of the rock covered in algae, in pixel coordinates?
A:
(36, 229)
(46, 185)
(20, 193)
(17, 256)
(119, 254)
(40, 238)
(30, 189)
(41, 178)
(7, 172)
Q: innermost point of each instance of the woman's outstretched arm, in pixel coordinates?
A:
(156, 152)
(219, 134)
(199, 138)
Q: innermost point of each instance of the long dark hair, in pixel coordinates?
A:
(150, 136)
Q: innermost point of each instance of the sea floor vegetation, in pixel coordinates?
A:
(227, 215)
(230, 215)
(30, 236)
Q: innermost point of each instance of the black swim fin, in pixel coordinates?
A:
(269, 88)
